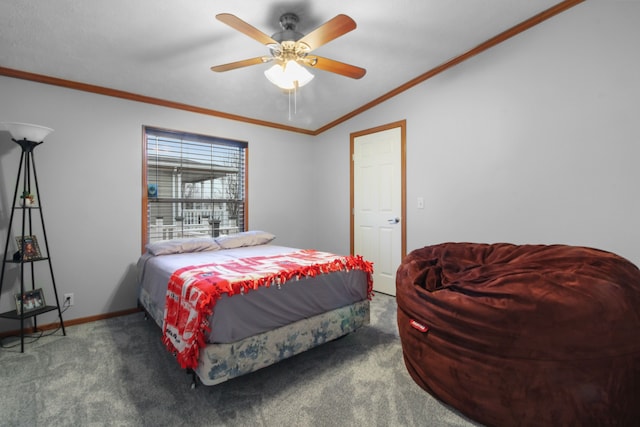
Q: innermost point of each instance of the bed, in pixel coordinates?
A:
(527, 335)
(234, 304)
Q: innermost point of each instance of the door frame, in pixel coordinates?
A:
(402, 124)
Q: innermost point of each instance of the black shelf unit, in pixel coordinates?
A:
(27, 180)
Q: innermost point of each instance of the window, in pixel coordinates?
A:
(196, 185)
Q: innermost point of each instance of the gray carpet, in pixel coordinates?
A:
(116, 372)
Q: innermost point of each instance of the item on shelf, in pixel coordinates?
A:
(28, 248)
(30, 301)
(27, 199)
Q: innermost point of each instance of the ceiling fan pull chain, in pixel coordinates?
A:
(295, 97)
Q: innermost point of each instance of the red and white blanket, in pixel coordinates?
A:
(193, 291)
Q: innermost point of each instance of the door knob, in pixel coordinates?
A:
(393, 220)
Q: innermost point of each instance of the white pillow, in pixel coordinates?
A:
(180, 246)
(245, 238)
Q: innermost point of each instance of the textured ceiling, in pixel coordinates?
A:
(164, 49)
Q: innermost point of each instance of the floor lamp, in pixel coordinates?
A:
(28, 136)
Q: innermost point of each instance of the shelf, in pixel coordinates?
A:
(24, 261)
(13, 314)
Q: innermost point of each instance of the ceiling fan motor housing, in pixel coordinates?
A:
(288, 22)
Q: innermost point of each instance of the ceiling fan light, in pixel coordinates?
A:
(286, 75)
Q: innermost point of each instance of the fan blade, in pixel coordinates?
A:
(328, 31)
(238, 24)
(240, 64)
(334, 66)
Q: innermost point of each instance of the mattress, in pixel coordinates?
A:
(266, 308)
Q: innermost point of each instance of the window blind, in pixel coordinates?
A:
(196, 185)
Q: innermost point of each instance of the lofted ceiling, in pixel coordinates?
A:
(162, 51)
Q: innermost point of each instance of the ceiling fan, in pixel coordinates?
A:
(290, 49)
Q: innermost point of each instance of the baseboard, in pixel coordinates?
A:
(72, 322)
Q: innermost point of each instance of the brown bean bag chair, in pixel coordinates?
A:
(528, 335)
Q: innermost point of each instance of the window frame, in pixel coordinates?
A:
(193, 138)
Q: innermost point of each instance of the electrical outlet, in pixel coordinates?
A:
(68, 299)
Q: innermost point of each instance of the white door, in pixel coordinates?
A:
(378, 201)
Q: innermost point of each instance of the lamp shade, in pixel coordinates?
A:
(33, 133)
(285, 76)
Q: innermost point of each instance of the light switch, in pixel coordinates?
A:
(420, 202)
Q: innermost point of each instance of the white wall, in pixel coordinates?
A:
(89, 171)
(534, 141)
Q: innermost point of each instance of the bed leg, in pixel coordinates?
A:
(194, 378)
(144, 311)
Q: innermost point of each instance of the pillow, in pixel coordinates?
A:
(245, 238)
(179, 246)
